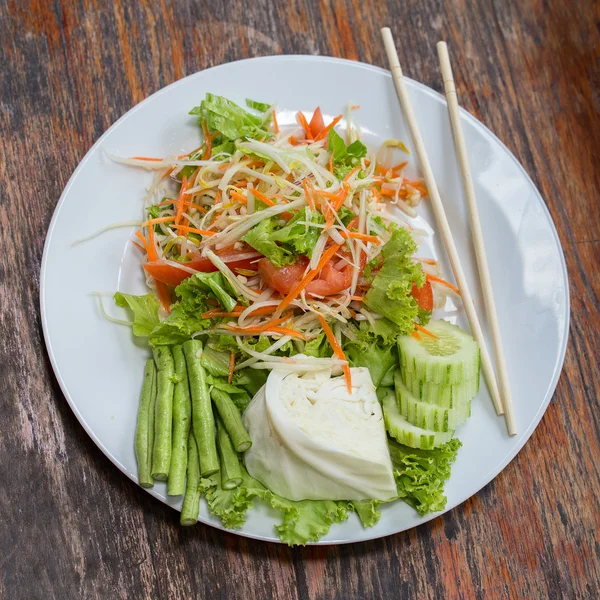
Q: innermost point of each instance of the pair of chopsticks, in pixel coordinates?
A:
(501, 396)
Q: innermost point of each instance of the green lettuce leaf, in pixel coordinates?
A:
(144, 309)
(389, 294)
(259, 106)
(377, 358)
(368, 511)
(251, 380)
(216, 363)
(189, 289)
(230, 506)
(345, 158)
(421, 474)
(424, 316)
(318, 347)
(229, 119)
(260, 238)
(281, 245)
(298, 237)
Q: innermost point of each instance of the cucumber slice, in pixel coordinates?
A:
(406, 433)
(423, 414)
(463, 412)
(447, 395)
(450, 359)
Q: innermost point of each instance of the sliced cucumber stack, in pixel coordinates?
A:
(408, 434)
(451, 358)
(434, 385)
(446, 395)
(423, 414)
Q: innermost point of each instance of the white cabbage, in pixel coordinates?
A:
(312, 440)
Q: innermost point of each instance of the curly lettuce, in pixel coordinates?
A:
(422, 474)
(282, 245)
(389, 294)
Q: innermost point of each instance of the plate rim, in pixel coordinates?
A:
(494, 472)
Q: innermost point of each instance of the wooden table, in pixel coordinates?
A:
(71, 525)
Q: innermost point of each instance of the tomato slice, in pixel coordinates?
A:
(423, 296)
(282, 279)
(330, 281)
(316, 124)
(170, 273)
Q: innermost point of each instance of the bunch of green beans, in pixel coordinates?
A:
(179, 438)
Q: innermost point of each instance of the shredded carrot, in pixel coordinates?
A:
(361, 236)
(207, 140)
(381, 170)
(198, 207)
(325, 131)
(331, 163)
(309, 198)
(138, 245)
(337, 350)
(399, 167)
(239, 197)
(293, 141)
(275, 123)
(224, 166)
(426, 331)
(427, 261)
(443, 282)
(347, 178)
(355, 107)
(187, 229)
(161, 289)
(231, 367)
(327, 256)
(149, 158)
(144, 241)
(181, 201)
(158, 220)
(357, 298)
(390, 193)
(302, 120)
(263, 198)
(327, 194)
(416, 335)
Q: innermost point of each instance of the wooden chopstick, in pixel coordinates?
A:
(440, 215)
(482, 264)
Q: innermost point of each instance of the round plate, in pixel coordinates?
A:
(99, 364)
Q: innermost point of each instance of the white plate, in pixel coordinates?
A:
(99, 365)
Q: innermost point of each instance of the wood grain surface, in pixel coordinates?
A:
(71, 525)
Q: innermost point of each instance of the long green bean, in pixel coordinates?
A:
(191, 500)
(163, 422)
(182, 417)
(144, 433)
(202, 415)
(232, 420)
(231, 473)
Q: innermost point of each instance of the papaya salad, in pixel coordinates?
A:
(295, 360)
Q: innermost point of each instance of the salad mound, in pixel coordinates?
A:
(273, 252)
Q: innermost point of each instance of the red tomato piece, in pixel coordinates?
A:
(283, 279)
(316, 124)
(423, 296)
(169, 273)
